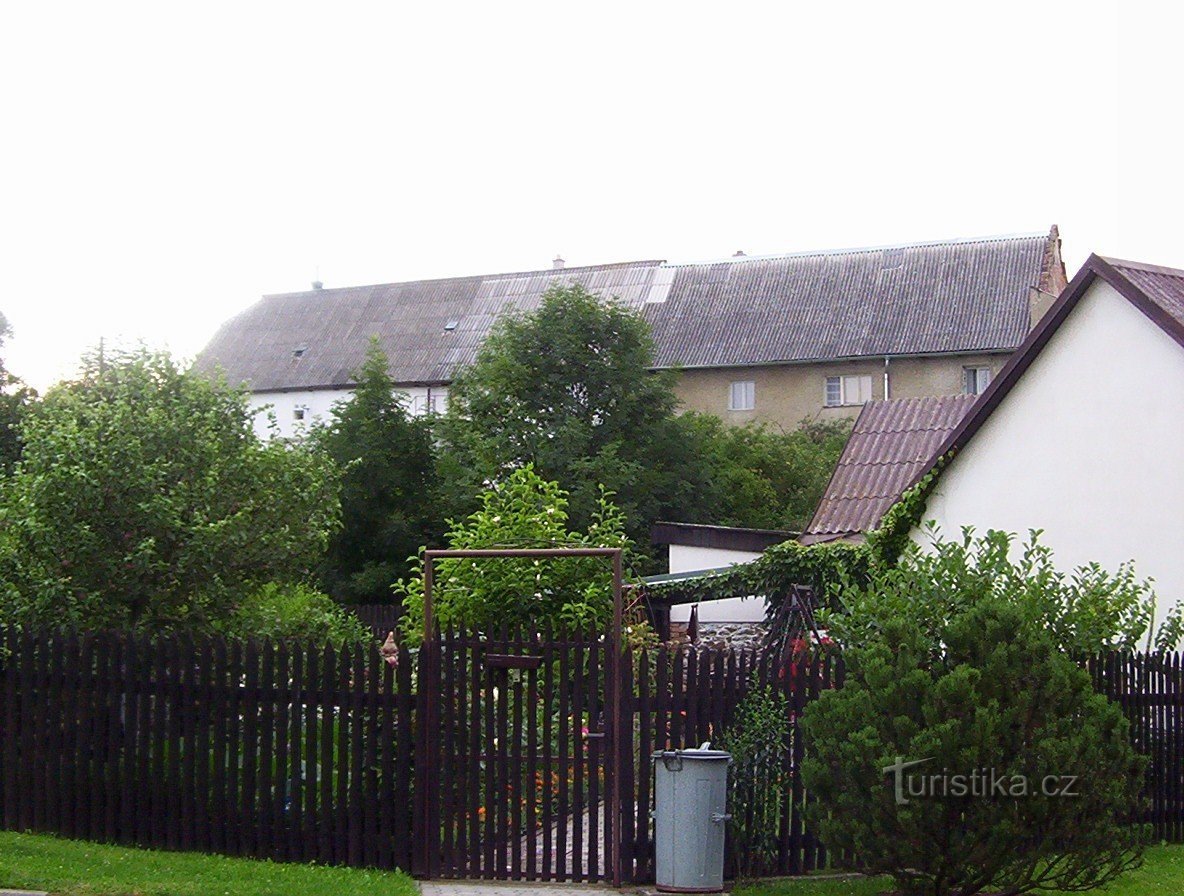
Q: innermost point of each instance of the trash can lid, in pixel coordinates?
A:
(699, 753)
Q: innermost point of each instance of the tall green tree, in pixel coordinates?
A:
(389, 507)
(144, 499)
(568, 388)
(761, 477)
(15, 399)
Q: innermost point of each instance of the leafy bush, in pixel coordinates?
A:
(757, 779)
(960, 661)
(523, 511)
(1086, 611)
(760, 477)
(294, 612)
(144, 499)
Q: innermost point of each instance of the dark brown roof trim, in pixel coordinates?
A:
(1095, 266)
(725, 538)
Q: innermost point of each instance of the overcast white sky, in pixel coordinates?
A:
(165, 165)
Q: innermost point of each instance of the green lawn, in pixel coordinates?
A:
(1161, 875)
(37, 862)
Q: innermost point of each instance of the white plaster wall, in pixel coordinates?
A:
(684, 558)
(1087, 446)
(319, 403)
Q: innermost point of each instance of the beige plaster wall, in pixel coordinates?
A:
(788, 394)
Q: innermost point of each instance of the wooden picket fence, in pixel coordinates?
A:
(303, 753)
(244, 749)
(381, 619)
(1150, 689)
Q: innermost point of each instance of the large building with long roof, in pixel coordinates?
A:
(777, 339)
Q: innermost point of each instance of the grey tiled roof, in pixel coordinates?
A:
(889, 444)
(931, 298)
(333, 327)
(925, 299)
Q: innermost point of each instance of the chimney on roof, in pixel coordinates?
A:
(740, 254)
(317, 284)
(557, 263)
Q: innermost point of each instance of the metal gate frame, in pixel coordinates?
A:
(426, 818)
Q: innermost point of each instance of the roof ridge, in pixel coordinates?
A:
(1142, 266)
(657, 262)
(858, 250)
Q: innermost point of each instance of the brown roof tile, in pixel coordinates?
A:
(889, 443)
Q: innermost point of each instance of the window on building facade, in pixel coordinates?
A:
(423, 404)
(742, 396)
(975, 380)
(843, 390)
(299, 412)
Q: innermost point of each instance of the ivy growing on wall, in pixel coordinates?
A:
(821, 567)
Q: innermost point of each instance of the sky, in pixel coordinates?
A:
(164, 165)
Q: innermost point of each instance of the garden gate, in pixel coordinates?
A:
(520, 748)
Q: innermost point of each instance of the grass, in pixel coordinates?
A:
(76, 868)
(1162, 874)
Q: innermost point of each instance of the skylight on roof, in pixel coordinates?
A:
(451, 324)
(299, 351)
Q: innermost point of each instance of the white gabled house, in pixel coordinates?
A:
(1082, 433)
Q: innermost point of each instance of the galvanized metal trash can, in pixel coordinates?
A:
(690, 810)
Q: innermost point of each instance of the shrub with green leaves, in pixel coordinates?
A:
(144, 499)
(283, 611)
(757, 740)
(522, 511)
(961, 662)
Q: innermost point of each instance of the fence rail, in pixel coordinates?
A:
(301, 753)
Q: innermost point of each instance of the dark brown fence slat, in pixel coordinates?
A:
(323, 823)
(472, 798)
(596, 722)
(203, 684)
(235, 750)
(403, 769)
(370, 728)
(314, 676)
(10, 732)
(281, 794)
(184, 745)
(385, 791)
(550, 776)
(451, 652)
(516, 835)
(500, 751)
(574, 723)
(640, 840)
(563, 764)
(214, 657)
(532, 774)
(341, 758)
(624, 832)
